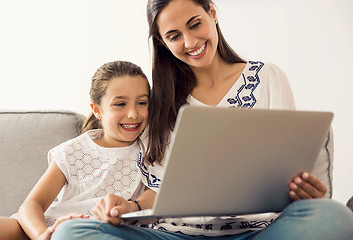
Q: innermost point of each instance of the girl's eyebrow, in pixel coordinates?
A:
(125, 97)
(143, 95)
(189, 21)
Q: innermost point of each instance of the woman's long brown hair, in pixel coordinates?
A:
(173, 81)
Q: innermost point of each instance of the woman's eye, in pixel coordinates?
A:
(195, 25)
(174, 37)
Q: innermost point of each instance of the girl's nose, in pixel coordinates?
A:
(132, 114)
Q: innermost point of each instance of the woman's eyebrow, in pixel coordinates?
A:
(189, 21)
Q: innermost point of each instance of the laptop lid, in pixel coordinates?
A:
(230, 161)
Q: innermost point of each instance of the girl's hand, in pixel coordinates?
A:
(46, 235)
(110, 207)
(306, 186)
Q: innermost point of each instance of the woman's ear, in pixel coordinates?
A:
(96, 110)
(213, 12)
(160, 40)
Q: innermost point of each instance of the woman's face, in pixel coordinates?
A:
(189, 32)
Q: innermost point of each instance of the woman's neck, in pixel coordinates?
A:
(214, 82)
(210, 75)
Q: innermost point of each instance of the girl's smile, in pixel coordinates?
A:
(131, 127)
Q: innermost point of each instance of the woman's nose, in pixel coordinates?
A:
(190, 41)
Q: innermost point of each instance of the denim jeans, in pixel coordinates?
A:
(307, 219)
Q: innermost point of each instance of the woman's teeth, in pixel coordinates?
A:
(198, 51)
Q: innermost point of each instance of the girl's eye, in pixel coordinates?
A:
(195, 25)
(142, 103)
(120, 104)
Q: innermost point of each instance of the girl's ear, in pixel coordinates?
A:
(213, 12)
(96, 110)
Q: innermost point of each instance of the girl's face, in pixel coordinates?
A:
(189, 32)
(123, 111)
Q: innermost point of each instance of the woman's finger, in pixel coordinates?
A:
(316, 183)
(299, 192)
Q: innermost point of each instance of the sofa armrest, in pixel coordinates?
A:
(324, 164)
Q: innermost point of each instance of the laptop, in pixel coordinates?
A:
(230, 161)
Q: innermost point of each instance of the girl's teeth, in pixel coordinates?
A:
(198, 51)
(130, 126)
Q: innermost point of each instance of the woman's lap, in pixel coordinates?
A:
(311, 219)
(93, 229)
(307, 219)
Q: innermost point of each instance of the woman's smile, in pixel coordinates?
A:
(199, 52)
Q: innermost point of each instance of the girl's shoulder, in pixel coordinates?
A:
(76, 144)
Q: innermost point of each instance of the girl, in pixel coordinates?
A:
(100, 161)
(193, 64)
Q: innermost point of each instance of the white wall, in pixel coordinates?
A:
(50, 49)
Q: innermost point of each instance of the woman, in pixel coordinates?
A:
(193, 64)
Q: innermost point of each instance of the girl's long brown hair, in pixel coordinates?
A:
(173, 81)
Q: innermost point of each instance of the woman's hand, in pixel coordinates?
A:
(111, 206)
(46, 235)
(306, 186)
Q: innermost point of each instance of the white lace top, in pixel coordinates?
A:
(92, 172)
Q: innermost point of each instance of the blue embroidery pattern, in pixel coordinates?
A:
(245, 97)
(152, 180)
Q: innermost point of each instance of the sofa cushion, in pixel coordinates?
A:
(26, 138)
(324, 164)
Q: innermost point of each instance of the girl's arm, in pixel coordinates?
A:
(31, 213)
(110, 207)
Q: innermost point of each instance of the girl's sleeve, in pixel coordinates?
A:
(57, 154)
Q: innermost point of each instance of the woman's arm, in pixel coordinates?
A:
(31, 213)
(110, 207)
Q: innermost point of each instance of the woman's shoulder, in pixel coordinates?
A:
(272, 85)
(262, 67)
(265, 72)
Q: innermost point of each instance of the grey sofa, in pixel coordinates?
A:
(26, 138)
